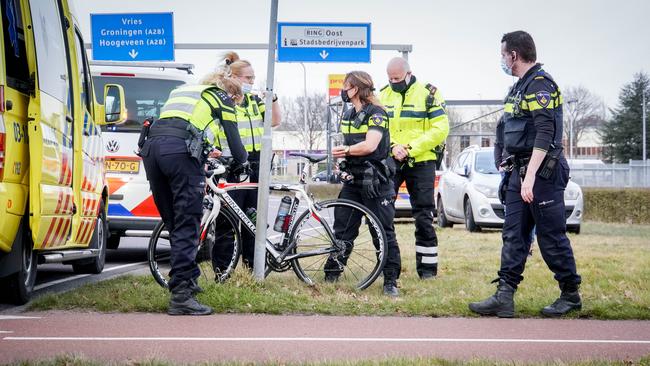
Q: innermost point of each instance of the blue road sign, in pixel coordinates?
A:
(323, 42)
(133, 37)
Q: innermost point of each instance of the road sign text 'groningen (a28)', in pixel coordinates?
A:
(323, 42)
(133, 37)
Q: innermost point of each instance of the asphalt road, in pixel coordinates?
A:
(258, 338)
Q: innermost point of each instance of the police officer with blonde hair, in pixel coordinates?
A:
(250, 113)
(174, 149)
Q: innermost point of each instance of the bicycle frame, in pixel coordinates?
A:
(225, 201)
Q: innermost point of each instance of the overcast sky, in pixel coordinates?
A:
(595, 43)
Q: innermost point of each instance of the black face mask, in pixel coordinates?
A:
(399, 87)
(344, 96)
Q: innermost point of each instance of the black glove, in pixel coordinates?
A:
(503, 187)
(239, 172)
(370, 184)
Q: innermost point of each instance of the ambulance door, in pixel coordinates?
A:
(50, 128)
(88, 182)
(14, 97)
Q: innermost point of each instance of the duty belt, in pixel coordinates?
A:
(170, 127)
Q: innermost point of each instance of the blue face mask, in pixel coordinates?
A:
(504, 66)
(246, 88)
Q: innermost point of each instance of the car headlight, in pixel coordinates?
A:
(489, 192)
(571, 194)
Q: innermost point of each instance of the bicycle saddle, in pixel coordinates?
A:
(313, 158)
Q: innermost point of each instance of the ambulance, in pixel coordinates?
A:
(53, 191)
(132, 211)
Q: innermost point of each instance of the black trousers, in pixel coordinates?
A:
(177, 183)
(547, 211)
(346, 227)
(245, 199)
(419, 183)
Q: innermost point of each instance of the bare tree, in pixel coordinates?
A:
(294, 118)
(583, 110)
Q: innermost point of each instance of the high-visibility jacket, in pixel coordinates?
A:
(533, 114)
(414, 122)
(203, 106)
(250, 122)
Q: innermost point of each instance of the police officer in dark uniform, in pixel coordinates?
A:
(174, 154)
(366, 151)
(535, 190)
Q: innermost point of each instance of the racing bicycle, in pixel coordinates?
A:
(350, 250)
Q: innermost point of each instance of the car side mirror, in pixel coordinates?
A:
(114, 105)
(466, 171)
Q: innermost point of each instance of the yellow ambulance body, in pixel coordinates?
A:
(53, 193)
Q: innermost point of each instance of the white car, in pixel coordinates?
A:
(131, 208)
(468, 194)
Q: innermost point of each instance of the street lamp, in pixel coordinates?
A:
(304, 73)
(643, 107)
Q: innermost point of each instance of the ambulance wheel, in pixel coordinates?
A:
(98, 241)
(19, 286)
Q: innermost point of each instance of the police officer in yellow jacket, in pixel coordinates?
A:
(174, 154)
(535, 187)
(418, 125)
(250, 122)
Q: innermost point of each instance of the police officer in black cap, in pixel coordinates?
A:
(535, 189)
(174, 149)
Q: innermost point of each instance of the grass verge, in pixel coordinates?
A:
(612, 259)
(81, 361)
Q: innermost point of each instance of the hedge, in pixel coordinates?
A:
(629, 205)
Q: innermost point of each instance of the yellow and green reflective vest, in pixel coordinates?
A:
(250, 122)
(202, 106)
(414, 123)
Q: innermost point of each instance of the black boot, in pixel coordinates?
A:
(195, 288)
(569, 300)
(390, 288)
(183, 302)
(500, 304)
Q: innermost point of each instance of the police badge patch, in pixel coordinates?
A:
(543, 98)
(377, 120)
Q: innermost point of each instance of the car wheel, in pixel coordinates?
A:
(18, 287)
(470, 224)
(443, 222)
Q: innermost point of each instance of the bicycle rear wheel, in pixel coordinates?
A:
(222, 234)
(356, 257)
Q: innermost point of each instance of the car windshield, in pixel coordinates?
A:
(144, 98)
(485, 163)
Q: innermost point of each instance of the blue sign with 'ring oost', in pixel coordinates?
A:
(323, 42)
(133, 36)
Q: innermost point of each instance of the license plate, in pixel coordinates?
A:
(122, 166)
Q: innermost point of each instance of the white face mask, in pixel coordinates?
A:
(505, 67)
(246, 88)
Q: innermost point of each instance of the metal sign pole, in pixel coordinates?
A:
(265, 156)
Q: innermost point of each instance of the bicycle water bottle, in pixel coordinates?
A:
(283, 210)
(252, 214)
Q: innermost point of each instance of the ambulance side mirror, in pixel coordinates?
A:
(114, 105)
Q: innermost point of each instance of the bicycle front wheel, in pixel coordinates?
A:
(355, 257)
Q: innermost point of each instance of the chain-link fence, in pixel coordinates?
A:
(635, 174)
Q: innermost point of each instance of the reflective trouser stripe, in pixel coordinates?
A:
(426, 250)
(429, 260)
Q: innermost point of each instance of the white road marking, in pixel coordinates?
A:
(15, 317)
(320, 339)
(52, 283)
(5, 331)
